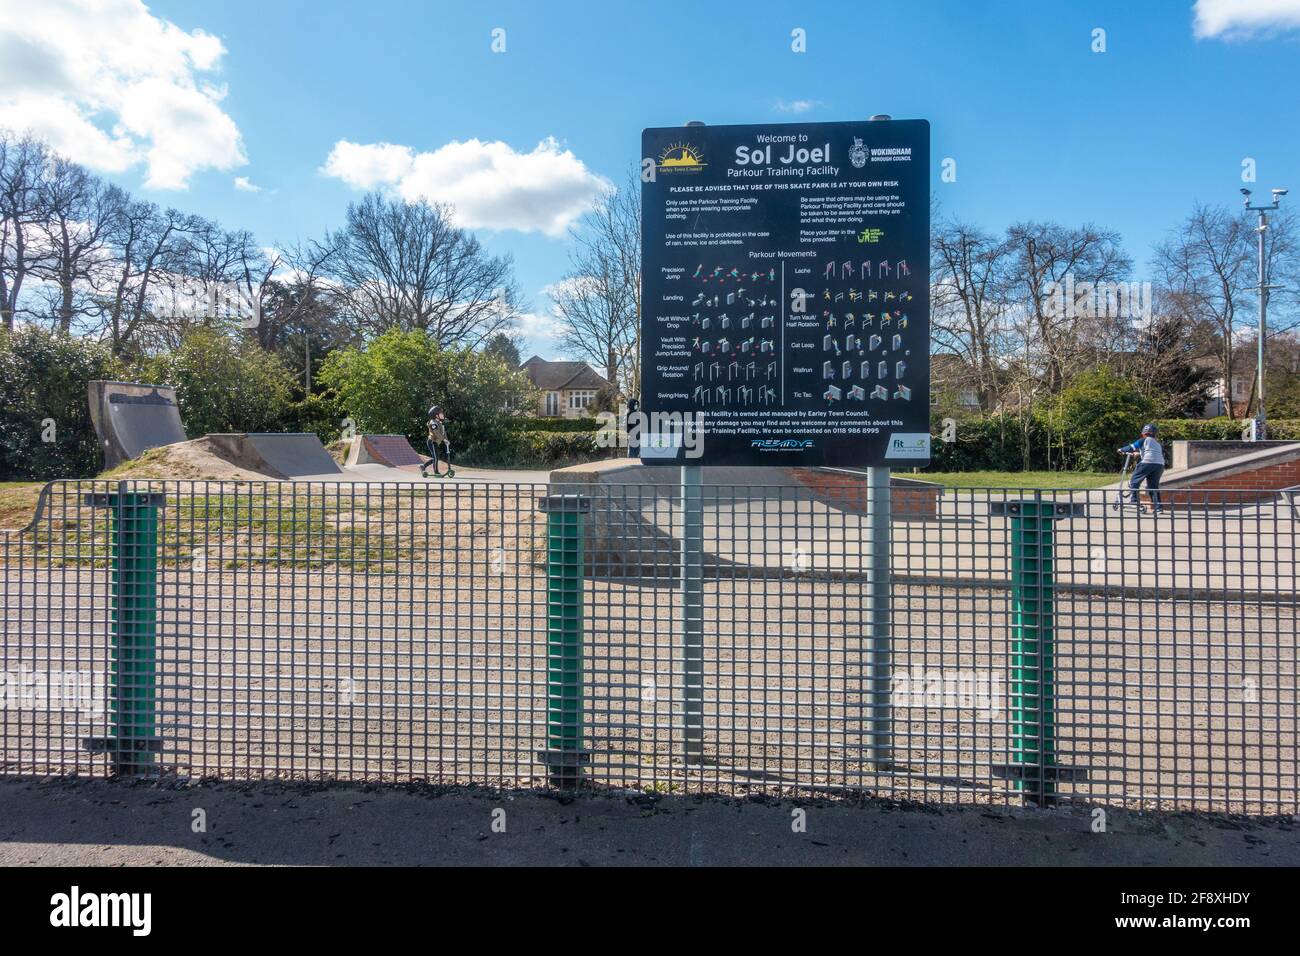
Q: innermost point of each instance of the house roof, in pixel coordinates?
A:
(561, 375)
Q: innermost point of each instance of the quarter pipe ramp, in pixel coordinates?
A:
(391, 451)
(131, 418)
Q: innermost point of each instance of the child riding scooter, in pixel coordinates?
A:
(438, 443)
(1150, 466)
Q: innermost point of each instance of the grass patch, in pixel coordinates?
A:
(1045, 480)
(18, 503)
(279, 526)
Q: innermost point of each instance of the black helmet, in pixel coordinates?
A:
(435, 411)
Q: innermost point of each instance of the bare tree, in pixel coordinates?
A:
(301, 317)
(147, 245)
(405, 265)
(1048, 256)
(79, 211)
(215, 277)
(599, 301)
(968, 301)
(1205, 274)
(22, 164)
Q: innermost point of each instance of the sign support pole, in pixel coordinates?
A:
(691, 598)
(880, 621)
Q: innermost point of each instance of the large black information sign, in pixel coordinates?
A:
(785, 291)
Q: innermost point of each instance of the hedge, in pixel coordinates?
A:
(549, 449)
(996, 442)
(1223, 429)
(554, 424)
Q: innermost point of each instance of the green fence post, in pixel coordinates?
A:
(564, 755)
(1033, 767)
(133, 693)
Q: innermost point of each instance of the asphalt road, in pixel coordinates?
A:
(107, 823)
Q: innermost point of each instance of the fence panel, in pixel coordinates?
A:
(1044, 645)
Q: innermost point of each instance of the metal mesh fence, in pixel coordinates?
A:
(1040, 645)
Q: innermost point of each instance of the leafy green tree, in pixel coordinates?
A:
(45, 426)
(388, 386)
(224, 383)
(1096, 413)
(505, 348)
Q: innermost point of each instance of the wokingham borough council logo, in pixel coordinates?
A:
(858, 153)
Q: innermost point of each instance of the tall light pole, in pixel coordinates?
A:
(1261, 420)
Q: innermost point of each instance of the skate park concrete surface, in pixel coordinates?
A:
(404, 476)
(70, 822)
(766, 520)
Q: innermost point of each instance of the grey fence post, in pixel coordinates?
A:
(692, 612)
(880, 623)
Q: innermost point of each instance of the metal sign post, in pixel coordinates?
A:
(691, 597)
(880, 623)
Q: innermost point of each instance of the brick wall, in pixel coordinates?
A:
(850, 491)
(1257, 484)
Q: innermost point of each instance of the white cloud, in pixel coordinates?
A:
(540, 332)
(246, 185)
(110, 85)
(490, 185)
(796, 106)
(1238, 19)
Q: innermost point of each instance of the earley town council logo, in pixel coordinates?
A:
(681, 158)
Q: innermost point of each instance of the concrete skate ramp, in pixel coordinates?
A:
(391, 451)
(130, 418)
(753, 517)
(276, 454)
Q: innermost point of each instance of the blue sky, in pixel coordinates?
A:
(1040, 125)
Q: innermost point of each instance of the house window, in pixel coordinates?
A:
(552, 403)
(580, 400)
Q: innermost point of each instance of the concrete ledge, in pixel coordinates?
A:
(1191, 454)
(847, 487)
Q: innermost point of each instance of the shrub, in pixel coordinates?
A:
(319, 413)
(554, 424)
(989, 443)
(1222, 429)
(224, 384)
(539, 449)
(1093, 416)
(45, 426)
(388, 385)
